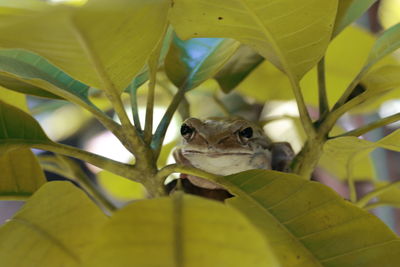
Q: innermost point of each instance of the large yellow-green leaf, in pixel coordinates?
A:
(292, 34)
(348, 12)
(21, 174)
(18, 129)
(189, 63)
(345, 57)
(13, 98)
(179, 231)
(99, 43)
(21, 70)
(309, 224)
(54, 228)
(349, 156)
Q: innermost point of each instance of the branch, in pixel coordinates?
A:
(371, 195)
(159, 135)
(134, 106)
(121, 169)
(372, 126)
(323, 98)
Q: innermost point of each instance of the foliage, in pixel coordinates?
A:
(90, 53)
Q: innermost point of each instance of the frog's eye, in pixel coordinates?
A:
(247, 132)
(186, 131)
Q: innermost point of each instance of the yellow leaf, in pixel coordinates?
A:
(179, 231)
(52, 229)
(389, 13)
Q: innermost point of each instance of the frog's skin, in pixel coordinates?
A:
(226, 146)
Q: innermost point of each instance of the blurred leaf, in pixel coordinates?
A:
(18, 129)
(391, 196)
(119, 187)
(21, 174)
(389, 13)
(293, 35)
(345, 57)
(179, 231)
(52, 229)
(96, 43)
(345, 156)
(349, 11)
(309, 224)
(14, 99)
(166, 152)
(189, 63)
(237, 68)
(25, 68)
(388, 42)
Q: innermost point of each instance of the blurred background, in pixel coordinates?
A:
(262, 95)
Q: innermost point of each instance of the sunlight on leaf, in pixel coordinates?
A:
(180, 231)
(21, 174)
(292, 34)
(309, 224)
(54, 228)
(96, 43)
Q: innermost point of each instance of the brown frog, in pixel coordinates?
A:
(225, 146)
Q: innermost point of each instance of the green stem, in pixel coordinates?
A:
(344, 98)
(176, 168)
(134, 106)
(381, 204)
(304, 163)
(304, 115)
(121, 169)
(221, 105)
(371, 195)
(323, 98)
(372, 126)
(159, 135)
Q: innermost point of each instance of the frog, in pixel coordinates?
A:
(225, 146)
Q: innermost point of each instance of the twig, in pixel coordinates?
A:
(368, 197)
(323, 98)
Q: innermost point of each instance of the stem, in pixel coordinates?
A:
(175, 168)
(344, 98)
(304, 163)
(323, 98)
(304, 115)
(372, 126)
(380, 204)
(134, 106)
(221, 105)
(371, 195)
(121, 169)
(159, 135)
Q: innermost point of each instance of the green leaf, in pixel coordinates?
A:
(241, 64)
(26, 68)
(21, 174)
(348, 156)
(54, 228)
(189, 63)
(99, 43)
(18, 129)
(387, 43)
(292, 34)
(309, 224)
(13, 98)
(348, 12)
(179, 231)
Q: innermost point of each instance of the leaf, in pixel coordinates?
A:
(237, 68)
(21, 174)
(27, 68)
(344, 154)
(189, 63)
(292, 34)
(389, 13)
(99, 43)
(18, 129)
(348, 12)
(25, 88)
(14, 99)
(309, 224)
(46, 232)
(387, 43)
(119, 187)
(179, 231)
